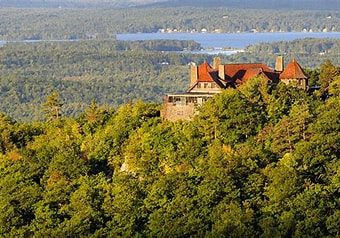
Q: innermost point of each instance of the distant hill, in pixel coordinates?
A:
(77, 3)
(258, 4)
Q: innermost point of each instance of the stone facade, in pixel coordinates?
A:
(182, 106)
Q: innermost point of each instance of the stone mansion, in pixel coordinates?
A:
(207, 80)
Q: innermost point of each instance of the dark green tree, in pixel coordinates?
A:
(52, 107)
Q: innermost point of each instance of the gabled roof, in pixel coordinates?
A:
(234, 74)
(252, 73)
(293, 71)
(239, 71)
(206, 73)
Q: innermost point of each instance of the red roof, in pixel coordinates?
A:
(206, 73)
(293, 71)
(252, 73)
(235, 73)
(238, 71)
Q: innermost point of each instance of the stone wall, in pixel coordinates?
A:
(300, 83)
(175, 112)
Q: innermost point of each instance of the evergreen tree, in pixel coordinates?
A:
(52, 107)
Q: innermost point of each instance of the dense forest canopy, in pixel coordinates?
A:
(85, 153)
(257, 161)
(54, 24)
(311, 53)
(117, 72)
(112, 72)
(306, 46)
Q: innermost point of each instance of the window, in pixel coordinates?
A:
(191, 100)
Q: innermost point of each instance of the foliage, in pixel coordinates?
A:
(52, 107)
(109, 72)
(319, 50)
(59, 24)
(260, 160)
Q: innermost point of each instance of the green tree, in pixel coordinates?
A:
(291, 129)
(328, 72)
(229, 117)
(52, 107)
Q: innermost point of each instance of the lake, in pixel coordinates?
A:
(214, 43)
(219, 41)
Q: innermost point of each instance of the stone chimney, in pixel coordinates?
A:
(279, 67)
(216, 63)
(193, 73)
(221, 72)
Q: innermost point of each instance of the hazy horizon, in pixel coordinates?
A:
(260, 4)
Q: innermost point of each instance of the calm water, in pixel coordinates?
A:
(214, 42)
(225, 40)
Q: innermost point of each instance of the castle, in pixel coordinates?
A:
(207, 80)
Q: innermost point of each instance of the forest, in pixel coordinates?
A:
(84, 151)
(117, 72)
(58, 24)
(311, 53)
(111, 72)
(257, 161)
(259, 4)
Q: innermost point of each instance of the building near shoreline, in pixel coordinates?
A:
(206, 80)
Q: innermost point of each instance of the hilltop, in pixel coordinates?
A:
(77, 3)
(255, 162)
(260, 4)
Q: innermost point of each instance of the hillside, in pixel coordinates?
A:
(310, 52)
(259, 4)
(116, 72)
(111, 72)
(250, 4)
(75, 3)
(57, 24)
(256, 162)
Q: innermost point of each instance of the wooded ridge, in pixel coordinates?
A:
(256, 161)
(115, 72)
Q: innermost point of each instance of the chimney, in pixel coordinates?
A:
(279, 63)
(193, 73)
(216, 63)
(221, 72)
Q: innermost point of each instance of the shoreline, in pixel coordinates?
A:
(211, 43)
